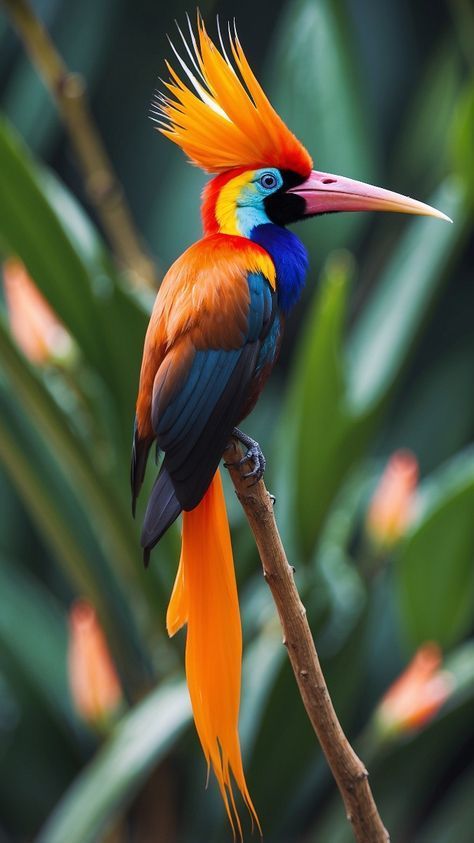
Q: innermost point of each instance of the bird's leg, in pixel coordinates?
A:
(254, 453)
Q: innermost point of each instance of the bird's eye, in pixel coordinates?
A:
(268, 181)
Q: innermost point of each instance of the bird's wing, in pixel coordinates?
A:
(200, 390)
(211, 325)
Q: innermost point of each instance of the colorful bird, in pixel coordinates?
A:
(213, 339)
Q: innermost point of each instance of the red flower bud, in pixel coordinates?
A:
(392, 505)
(93, 679)
(34, 325)
(417, 695)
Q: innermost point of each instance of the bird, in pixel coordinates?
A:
(213, 338)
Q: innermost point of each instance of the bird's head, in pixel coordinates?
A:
(223, 121)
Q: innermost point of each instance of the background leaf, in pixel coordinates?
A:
(435, 572)
(141, 740)
(315, 83)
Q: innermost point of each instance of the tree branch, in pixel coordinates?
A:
(348, 770)
(100, 181)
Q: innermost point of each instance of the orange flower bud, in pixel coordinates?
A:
(417, 695)
(93, 680)
(392, 505)
(34, 325)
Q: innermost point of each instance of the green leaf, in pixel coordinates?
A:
(105, 788)
(437, 417)
(460, 664)
(463, 139)
(59, 517)
(384, 334)
(97, 494)
(32, 231)
(336, 397)
(116, 304)
(39, 404)
(452, 818)
(43, 225)
(422, 155)
(316, 412)
(435, 575)
(39, 651)
(314, 85)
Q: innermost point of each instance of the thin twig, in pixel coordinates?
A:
(100, 181)
(348, 770)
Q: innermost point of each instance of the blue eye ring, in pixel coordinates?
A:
(268, 181)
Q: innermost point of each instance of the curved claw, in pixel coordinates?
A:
(255, 455)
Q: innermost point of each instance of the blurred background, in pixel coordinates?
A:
(366, 424)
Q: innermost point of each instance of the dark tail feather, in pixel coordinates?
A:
(140, 451)
(163, 508)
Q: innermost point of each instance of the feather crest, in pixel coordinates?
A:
(220, 115)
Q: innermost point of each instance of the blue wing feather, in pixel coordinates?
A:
(268, 348)
(200, 413)
(208, 375)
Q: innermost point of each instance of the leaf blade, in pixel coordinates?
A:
(106, 787)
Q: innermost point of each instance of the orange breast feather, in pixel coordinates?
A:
(202, 303)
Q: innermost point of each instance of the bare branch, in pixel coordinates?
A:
(348, 770)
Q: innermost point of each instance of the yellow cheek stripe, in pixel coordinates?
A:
(226, 205)
(226, 216)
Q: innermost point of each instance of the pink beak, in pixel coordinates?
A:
(324, 192)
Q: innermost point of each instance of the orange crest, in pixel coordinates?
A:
(221, 117)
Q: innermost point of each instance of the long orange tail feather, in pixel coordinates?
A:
(205, 597)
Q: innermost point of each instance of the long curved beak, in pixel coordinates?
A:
(325, 192)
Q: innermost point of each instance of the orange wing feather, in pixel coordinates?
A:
(203, 300)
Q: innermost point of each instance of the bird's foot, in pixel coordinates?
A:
(254, 454)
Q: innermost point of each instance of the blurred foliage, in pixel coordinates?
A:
(379, 355)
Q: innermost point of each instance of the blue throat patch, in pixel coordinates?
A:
(290, 259)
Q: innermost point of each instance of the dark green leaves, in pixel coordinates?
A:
(314, 82)
(108, 784)
(316, 405)
(434, 570)
(390, 322)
